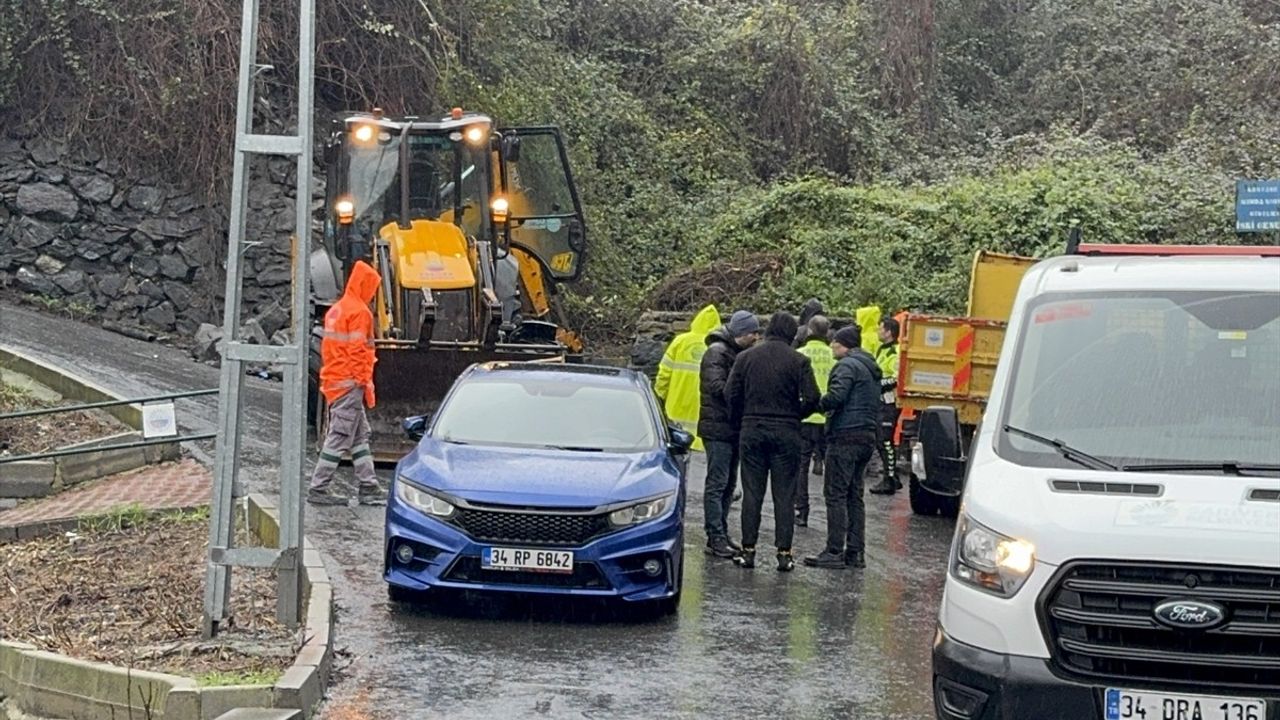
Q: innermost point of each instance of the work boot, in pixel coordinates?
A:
(323, 496)
(733, 545)
(786, 563)
(802, 518)
(826, 559)
(719, 547)
(374, 495)
(745, 559)
(855, 559)
(884, 487)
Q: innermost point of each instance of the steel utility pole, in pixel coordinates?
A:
(223, 556)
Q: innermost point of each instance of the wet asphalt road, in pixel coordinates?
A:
(810, 644)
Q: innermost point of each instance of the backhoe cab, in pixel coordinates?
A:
(471, 228)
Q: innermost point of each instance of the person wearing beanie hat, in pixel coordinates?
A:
(852, 405)
(770, 390)
(817, 348)
(719, 434)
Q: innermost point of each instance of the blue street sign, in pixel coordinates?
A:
(1257, 205)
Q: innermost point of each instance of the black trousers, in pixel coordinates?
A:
(887, 451)
(769, 452)
(812, 437)
(842, 488)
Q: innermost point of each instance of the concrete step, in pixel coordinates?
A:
(261, 714)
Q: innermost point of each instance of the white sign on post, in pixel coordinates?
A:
(159, 420)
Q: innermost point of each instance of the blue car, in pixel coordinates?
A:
(546, 479)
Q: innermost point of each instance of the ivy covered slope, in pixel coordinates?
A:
(871, 145)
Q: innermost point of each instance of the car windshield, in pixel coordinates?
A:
(547, 412)
(1148, 378)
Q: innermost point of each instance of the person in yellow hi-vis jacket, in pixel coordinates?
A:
(817, 348)
(679, 372)
(868, 320)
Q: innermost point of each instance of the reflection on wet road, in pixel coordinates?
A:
(812, 644)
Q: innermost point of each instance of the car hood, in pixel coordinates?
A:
(538, 477)
(1196, 518)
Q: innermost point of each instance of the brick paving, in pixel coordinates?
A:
(175, 485)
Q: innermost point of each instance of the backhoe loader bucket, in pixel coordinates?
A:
(413, 381)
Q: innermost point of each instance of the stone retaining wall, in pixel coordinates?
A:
(77, 231)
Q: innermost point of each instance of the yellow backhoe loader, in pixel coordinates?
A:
(471, 227)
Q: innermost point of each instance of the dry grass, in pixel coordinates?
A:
(128, 590)
(45, 432)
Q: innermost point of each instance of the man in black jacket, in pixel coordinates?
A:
(718, 432)
(771, 388)
(852, 405)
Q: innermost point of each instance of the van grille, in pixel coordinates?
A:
(1098, 618)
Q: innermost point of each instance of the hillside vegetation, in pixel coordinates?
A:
(870, 145)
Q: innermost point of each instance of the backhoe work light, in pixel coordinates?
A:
(363, 134)
(346, 210)
(476, 134)
(501, 210)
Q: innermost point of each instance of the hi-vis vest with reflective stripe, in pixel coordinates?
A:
(822, 360)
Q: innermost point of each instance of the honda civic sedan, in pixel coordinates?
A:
(548, 479)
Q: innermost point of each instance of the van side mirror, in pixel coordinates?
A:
(939, 432)
(681, 440)
(415, 427)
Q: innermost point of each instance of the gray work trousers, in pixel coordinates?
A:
(348, 432)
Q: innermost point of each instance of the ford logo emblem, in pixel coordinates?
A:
(1187, 614)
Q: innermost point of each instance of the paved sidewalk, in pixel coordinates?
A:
(183, 484)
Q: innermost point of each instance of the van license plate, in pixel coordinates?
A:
(556, 561)
(1140, 705)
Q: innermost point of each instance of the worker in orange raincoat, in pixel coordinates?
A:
(346, 381)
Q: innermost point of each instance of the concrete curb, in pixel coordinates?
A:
(38, 478)
(47, 685)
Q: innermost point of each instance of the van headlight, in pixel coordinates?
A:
(642, 512)
(990, 561)
(423, 501)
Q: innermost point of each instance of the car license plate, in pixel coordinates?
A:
(556, 561)
(1140, 705)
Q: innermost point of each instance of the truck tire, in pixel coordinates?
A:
(948, 506)
(923, 502)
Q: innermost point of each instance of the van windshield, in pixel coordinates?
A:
(1148, 378)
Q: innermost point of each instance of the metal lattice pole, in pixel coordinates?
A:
(222, 554)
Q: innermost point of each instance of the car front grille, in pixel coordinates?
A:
(1100, 623)
(530, 528)
(585, 576)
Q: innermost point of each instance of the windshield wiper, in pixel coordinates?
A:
(574, 448)
(1077, 456)
(1228, 467)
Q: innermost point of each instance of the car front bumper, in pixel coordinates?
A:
(974, 684)
(609, 566)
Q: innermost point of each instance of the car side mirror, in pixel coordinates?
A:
(939, 432)
(681, 440)
(415, 427)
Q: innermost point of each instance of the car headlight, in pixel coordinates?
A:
(642, 512)
(990, 561)
(423, 501)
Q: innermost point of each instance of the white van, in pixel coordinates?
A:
(1117, 553)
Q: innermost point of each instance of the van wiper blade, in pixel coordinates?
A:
(1228, 467)
(1077, 456)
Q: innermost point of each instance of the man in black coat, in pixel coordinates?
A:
(852, 405)
(718, 431)
(770, 390)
